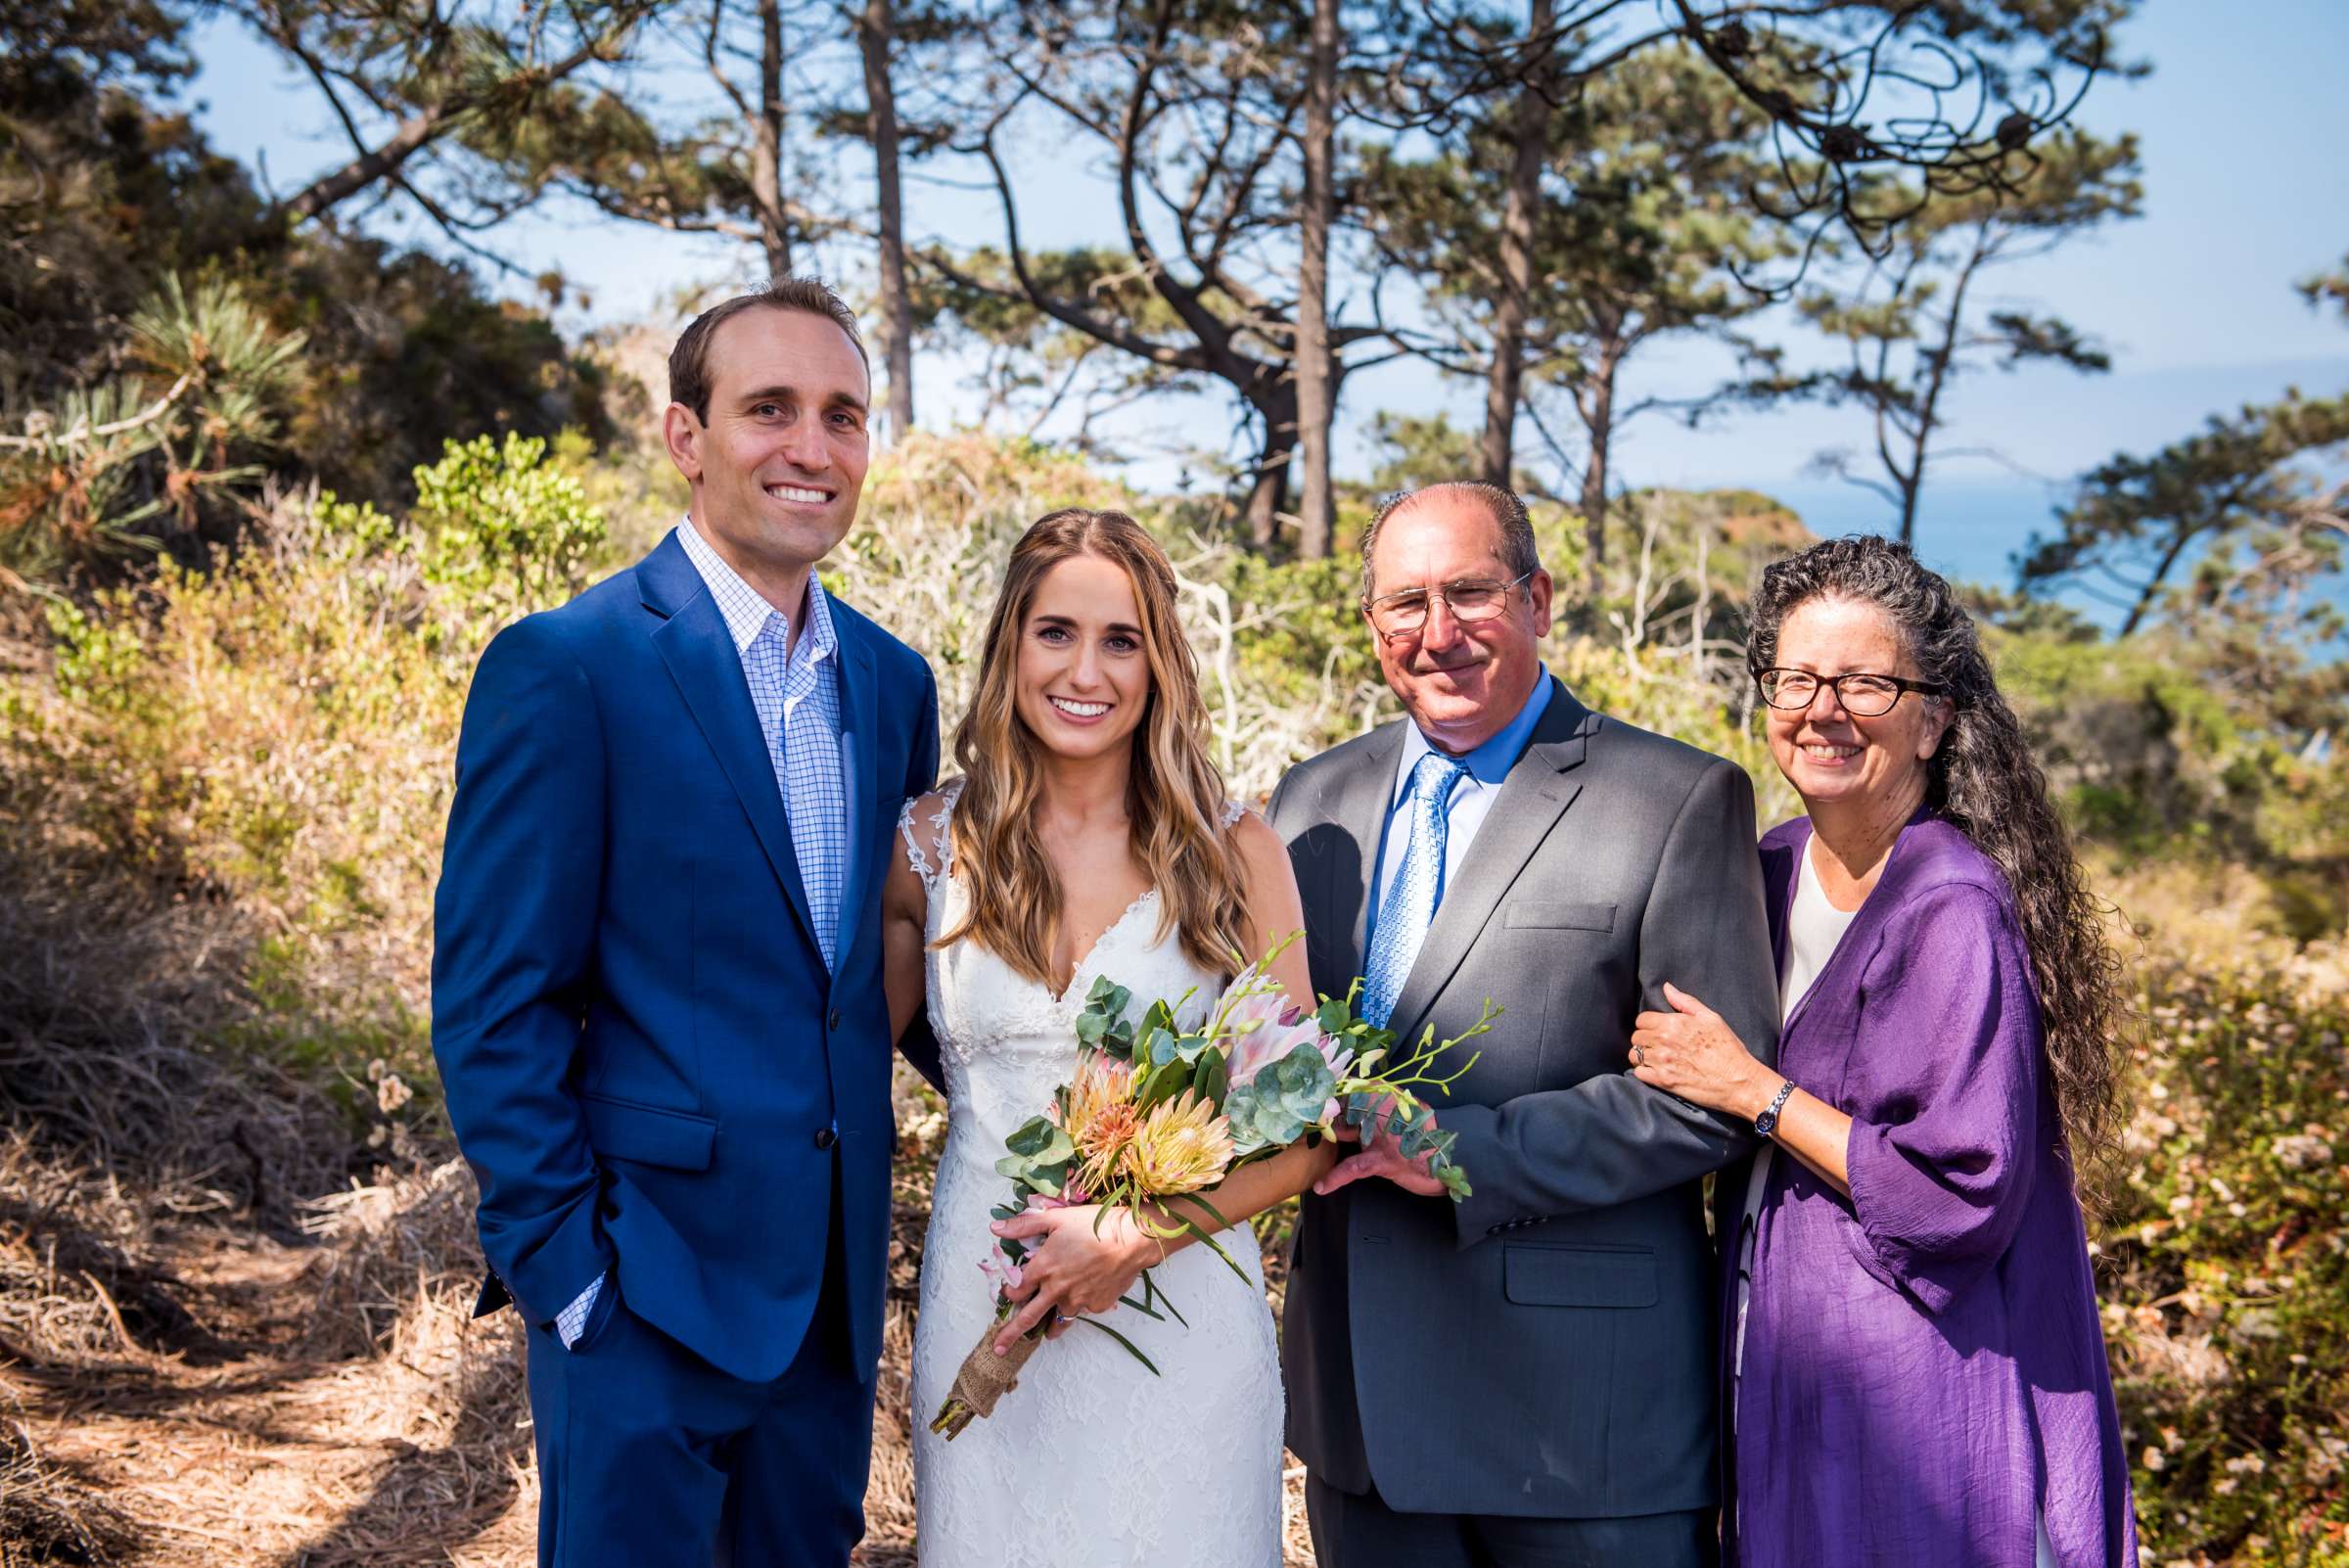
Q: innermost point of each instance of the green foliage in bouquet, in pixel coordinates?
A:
(1157, 1114)
(1270, 1073)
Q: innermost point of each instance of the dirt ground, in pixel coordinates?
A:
(204, 1424)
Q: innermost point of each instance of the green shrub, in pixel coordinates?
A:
(269, 742)
(275, 736)
(2227, 1280)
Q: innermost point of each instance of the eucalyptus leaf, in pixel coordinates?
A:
(1036, 1137)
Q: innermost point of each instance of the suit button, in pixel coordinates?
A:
(833, 1023)
(825, 1138)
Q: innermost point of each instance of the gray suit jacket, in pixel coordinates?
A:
(1544, 1349)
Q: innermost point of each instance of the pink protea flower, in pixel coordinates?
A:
(1267, 1026)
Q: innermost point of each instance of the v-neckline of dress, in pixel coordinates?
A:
(1060, 998)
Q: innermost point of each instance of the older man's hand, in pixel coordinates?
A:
(1382, 1156)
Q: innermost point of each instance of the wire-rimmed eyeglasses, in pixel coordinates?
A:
(1470, 600)
(1860, 694)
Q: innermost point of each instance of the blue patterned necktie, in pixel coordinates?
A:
(1409, 904)
(814, 803)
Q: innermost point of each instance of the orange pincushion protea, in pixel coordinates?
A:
(1182, 1146)
(1100, 1117)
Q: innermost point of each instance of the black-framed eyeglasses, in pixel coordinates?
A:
(1473, 599)
(1860, 694)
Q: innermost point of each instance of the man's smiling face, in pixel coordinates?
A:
(778, 464)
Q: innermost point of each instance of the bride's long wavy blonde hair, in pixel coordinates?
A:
(1173, 792)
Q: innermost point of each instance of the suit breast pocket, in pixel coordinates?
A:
(1550, 914)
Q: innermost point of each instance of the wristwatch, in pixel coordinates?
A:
(1768, 1122)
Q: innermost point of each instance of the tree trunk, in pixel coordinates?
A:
(1269, 491)
(897, 305)
(1316, 404)
(766, 144)
(1504, 379)
(1267, 499)
(1598, 408)
(2179, 540)
(1940, 364)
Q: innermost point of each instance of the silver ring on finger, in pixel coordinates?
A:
(1638, 1057)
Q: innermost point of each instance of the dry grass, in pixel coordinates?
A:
(327, 1401)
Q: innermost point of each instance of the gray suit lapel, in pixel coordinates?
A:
(1357, 803)
(1532, 798)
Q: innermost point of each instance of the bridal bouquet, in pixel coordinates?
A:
(1155, 1116)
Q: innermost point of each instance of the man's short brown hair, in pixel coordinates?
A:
(689, 360)
(1519, 554)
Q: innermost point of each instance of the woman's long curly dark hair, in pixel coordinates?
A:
(1986, 782)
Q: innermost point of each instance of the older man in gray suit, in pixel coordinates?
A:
(1526, 1377)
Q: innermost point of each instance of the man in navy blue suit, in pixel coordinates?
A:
(656, 997)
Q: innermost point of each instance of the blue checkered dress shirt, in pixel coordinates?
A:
(799, 714)
(797, 697)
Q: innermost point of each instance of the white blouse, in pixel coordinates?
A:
(1813, 929)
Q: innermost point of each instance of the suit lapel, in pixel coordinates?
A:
(693, 642)
(1357, 803)
(1534, 795)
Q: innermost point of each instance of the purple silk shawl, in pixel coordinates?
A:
(1924, 1368)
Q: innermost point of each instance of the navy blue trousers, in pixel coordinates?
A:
(651, 1457)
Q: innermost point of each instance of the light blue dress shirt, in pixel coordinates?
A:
(1472, 797)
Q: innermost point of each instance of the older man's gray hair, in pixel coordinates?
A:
(1517, 550)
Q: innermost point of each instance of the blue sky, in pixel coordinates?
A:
(2247, 192)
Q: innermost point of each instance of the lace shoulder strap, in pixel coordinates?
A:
(936, 832)
(1233, 810)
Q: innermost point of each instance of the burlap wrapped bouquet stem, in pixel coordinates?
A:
(985, 1379)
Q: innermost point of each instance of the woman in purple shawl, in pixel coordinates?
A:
(1913, 1368)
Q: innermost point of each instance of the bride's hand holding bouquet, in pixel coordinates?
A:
(1131, 1159)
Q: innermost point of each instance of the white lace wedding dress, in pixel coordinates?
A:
(1090, 1462)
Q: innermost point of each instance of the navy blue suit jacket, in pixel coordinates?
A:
(646, 1064)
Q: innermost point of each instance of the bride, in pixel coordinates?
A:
(1089, 835)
